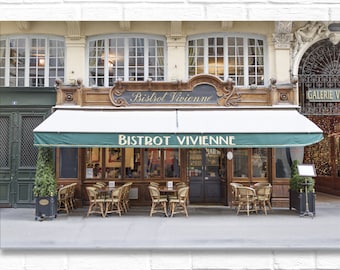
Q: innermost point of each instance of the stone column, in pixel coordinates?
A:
(176, 53)
(282, 42)
(75, 55)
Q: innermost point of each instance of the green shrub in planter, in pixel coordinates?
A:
(45, 185)
(297, 195)
(297, 182)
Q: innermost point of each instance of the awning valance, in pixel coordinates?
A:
(183, 128)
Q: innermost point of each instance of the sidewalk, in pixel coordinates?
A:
(207, 227)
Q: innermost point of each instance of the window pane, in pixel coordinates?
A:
(132, 163)
(113, 163)
(259, 162)
(68, 163)
(282, 163)
(240, 161)
(152, 163)
(93, 163)
(172, 163)
(195, 162)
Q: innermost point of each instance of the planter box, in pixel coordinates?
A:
(46, 207)
(297, 200)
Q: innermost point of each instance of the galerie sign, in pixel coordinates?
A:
(323, 95)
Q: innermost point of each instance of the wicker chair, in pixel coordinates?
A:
(247, 200)
(234, 194)
(159, 204)
(179, 204)
(72, 199)
(115, 203)
(125, 196)
(96, 204)
(263, 197)
(64, 199)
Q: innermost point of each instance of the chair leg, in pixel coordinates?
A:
(165, 209)
(152, 209)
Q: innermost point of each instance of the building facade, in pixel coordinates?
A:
(145, 73)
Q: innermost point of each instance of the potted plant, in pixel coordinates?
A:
(45, 185)
(298, 185)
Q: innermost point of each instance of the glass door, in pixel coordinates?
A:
(204, 167)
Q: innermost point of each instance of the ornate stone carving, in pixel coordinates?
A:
(308, 33)
(282, 36)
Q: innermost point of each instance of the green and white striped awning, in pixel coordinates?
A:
(177, 128)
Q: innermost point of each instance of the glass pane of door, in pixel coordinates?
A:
(195, 162)
(212, 162)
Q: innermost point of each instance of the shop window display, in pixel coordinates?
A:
(126, 163)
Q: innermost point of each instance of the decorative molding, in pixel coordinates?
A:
(308, 33)
(176, 29)
(73, 29)
(125, 25)
(282, 37)
(226, 25)
(23, 25)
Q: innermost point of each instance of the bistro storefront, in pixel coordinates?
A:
(205, 132)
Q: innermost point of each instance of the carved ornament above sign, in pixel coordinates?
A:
(200, 90)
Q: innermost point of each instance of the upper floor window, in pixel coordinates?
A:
(31, 61)
(241, 58)
(129, 58)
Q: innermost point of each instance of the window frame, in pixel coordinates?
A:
(28, 59)
(126, 58)
(246, 38)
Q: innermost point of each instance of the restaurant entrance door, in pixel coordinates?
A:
(204, 169)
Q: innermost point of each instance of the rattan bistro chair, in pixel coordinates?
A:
(179, 204)
(234, 194)
(64, 199)
(115, 203)
(247, 200)
(158, 204)
(125, 201)
(263, 197)
(96, 204)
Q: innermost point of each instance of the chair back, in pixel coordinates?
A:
(246, 193)
(183, 193)
(234, 187)
(154, 192)
(264, 192)
(180, 185)
(91, 193)
(154, 184)
(63, 193)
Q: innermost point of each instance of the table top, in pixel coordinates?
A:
(167, 189)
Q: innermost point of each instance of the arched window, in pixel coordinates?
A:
(239, 57)
(129, 58)
(31, 61)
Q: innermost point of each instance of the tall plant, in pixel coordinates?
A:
(45, 181)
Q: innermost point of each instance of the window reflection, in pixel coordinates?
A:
(93, 163)
(152, 163)
(113, 163)
(240, 163)
(132, 163)
(282, 163)
(172, 163)
(259, 162)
